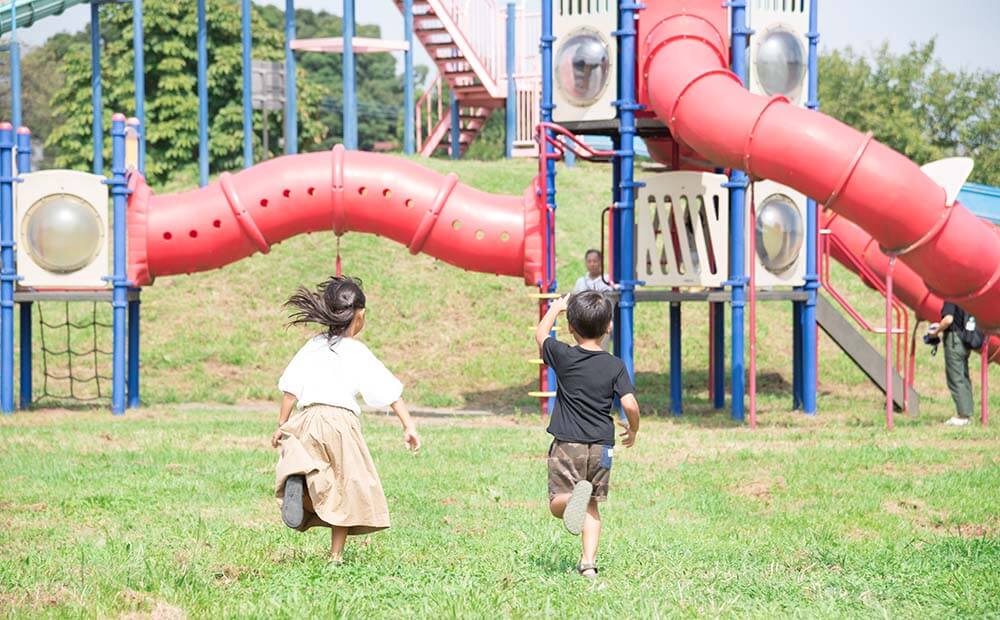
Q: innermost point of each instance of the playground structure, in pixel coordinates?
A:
(731, 155)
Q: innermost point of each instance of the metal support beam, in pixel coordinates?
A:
(456, 128)
(24, 341)
(737, 191)
(511, 109)
(810, 344)
(409, 104)
(8, 270)
(202, 37)
(139, 77)
(119, 302)
(97, 122)
(291, 89)
(247, 42)
(350, 80)
(676, 370)
(718, 345)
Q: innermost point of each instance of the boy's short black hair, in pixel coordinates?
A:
(589, 314)
(593, 251)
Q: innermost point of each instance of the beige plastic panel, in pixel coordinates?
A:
(35, 187)
(600, 17)
(682, 230)
(790, 15)
(794, 275)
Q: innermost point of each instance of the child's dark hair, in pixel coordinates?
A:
(589, 314)
(332, 305)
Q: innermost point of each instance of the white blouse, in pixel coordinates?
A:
(323, 375)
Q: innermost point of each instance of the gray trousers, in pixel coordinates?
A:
(956, 368)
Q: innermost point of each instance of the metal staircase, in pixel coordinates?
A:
(466, 40)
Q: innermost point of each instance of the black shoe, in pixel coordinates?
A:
(292, 511)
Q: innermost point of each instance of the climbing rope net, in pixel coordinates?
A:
(73, 349)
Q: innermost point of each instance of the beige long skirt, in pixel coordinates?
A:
(326, 446)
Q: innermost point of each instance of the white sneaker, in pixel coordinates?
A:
(957, 421)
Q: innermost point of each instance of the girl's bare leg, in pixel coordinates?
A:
(338, 538)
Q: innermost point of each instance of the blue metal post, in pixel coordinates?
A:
(719, 353)
(809, 335)
(139, 73)
(676, 378)
(8, 272)
(119, 300)
(133, 353)
(350, 85)
(97, 124)
(247, 41)
(132, 372)
(456, 128)
(545, 46)
(202, 95)
(291, 91)
(24, 341)
(624, 159)
(15, 68)
(797, 354)
(409, 105)
(737, 199)
(511, 111)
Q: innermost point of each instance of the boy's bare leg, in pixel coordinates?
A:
(338, 538)
(557, 505)
(591, 533)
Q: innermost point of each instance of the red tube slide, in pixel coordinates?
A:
(683, 58)
(907, 285)
(335, 191)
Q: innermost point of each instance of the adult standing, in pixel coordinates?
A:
(960, 338)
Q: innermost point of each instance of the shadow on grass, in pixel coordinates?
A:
(653, 394)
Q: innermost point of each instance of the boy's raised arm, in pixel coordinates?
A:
(545, 325)
(631, 408)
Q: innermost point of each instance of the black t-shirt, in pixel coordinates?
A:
(959, 316)
(588, 382)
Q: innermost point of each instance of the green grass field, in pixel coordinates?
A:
(169, 511)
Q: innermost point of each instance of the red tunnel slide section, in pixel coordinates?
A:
(907, 285)
(335, 191)
(684, 78)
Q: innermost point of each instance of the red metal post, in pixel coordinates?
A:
(888, 343)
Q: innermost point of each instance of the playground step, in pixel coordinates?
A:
(864, 355)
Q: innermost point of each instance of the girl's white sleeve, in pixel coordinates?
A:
(293, 380)
(378, 386)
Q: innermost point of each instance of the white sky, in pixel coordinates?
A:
(965, 29)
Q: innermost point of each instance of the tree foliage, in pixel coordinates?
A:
(171, 86)
(915, 105)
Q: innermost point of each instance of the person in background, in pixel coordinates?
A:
(960, 338)
(594, 280)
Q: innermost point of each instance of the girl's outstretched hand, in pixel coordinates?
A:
(411, 439)
(276, 438)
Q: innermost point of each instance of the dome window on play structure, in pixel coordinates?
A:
(780, 64)
(63, 230)
(63, 233)
(778, 57)
(780, 233)
(585, 71)
(583, 66)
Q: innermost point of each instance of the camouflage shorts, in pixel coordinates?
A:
(570, 463)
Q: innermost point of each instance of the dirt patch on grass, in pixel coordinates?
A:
(38, 599)
(761, 488)
(229, 574)
(916, 470)
(144, 606)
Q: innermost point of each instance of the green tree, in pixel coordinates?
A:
(379, 88)
(915, 105)
(171, 87)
